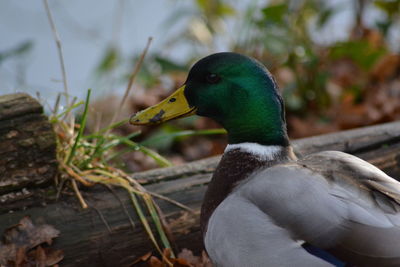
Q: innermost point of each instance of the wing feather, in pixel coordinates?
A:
(334, 201)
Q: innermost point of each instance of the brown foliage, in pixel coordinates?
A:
(22, 245)
(185, 259)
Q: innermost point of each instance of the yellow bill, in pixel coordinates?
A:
(174, 106)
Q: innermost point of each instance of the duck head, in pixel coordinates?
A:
(236, 91)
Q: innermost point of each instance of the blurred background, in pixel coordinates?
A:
(337, 62)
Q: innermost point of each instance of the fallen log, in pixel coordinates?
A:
(27, 146)
(103, 235)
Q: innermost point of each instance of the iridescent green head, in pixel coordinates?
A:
(236, 91)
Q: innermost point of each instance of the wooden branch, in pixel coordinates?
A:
(27, 145)
(87, 240)
(361, 142)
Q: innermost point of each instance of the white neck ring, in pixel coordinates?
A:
(260, 151)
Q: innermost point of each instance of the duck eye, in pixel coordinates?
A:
(212, 78)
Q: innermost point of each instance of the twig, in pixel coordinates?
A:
(59, 49)
(131, 80)
(78, 194)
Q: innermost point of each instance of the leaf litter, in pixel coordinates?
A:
(26, 244)
(184, 259)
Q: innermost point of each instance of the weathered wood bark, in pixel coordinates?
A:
(27, 146)
(103, 236)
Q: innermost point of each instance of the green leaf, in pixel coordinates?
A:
(168, 65)
(68, 110)
(384, 26)
(81, 129)
(360, 51)
(154, 140)
(390, 7)
(325, 15)
(275, 13)
(161, 161)
(215, 8)
(109, 60)
(226, 10)
(16, 51)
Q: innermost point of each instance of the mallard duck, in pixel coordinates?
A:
(265, 207)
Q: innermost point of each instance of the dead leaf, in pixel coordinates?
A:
(195, 261)
(183, 222)
(386, 67)
(25, 233)
(143, 258)
(185, 259)
(53, 256)
(154, 262)
(21, 245)
(40, 257)
(20, 257)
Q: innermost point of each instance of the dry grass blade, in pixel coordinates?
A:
(82, 164)
(176, 203)
(122, 205)
(82, 158)
(79, 195)
(76, 176)
(131, 80)
(144, 221)
(141, 188)
(59, 49)
(118, 178)
(157, 221)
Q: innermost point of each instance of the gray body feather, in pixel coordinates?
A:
(330, 200)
